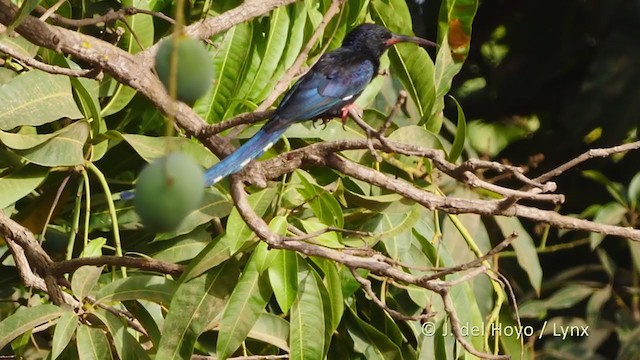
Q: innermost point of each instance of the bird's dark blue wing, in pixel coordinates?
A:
(336, 80)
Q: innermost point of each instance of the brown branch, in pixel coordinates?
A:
(110, 16)
(68, 266)
(477, 262)
(51, 69)
(246, 118)
(373, 264)
(29, 278)
(215, 25)
(481, 207)
(457, 332)
(303, 236)
(35, 256)
(589, 154)
(402, 98)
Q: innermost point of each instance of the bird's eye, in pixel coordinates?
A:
(383, 36)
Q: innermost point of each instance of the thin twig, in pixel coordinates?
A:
(587, 155)
(477, 262)
(110, 16)
(366, 285)
(304, 237)
(52, 69)
(457, 332)
(400, 101)
(246, 118)
(148, 264)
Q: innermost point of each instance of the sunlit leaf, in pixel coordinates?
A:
(307, 327)
(26, 319)
(127, 347)
(148, 287)
(271, 329)
(283, 275)
(84, 279)
(65, 328)
(193, 307)
(92, 344)
(65, 148)
(245, 306)
(525, 249)
(16, 185)
(36, 98)
(238, 232)
(461, 135)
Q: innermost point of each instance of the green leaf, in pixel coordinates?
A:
(65, 328)
(271, 329)
(616, 190)
(454, 30)
(410, 63)
(238, 232)
(92, 344)
(24, 141)
(182, 248)
(283, 275)
(36, 98)
(19, 44)
(245, 305)
(369, 341)
(147, 287)
(142, 311)
(307, 328)
(26, 319)
(293, 45)
(525, 249)
(328, 239)
(489, 138)
(322, 203)
(228, 62)
(213, 205)
(213, 255)
(152, 147)
(633, 192)
(142, 26)
(16, 185)
(94, 248)
(193, 307)
(596, 304)
(127, 347)
(333, 284)
(262, 252)
(65, 148)
(84, 280)
(120, 99)
(564, 298)
(461, 134)
(269, 50)
(611, 214)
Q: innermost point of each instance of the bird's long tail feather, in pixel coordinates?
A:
(253, 148)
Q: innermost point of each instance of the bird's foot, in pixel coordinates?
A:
(324, 122)
(344, 113)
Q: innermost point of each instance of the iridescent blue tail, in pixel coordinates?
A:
(253, 148)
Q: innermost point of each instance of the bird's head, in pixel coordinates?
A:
(376, 39)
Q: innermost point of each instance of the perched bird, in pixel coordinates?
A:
(326, 91)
